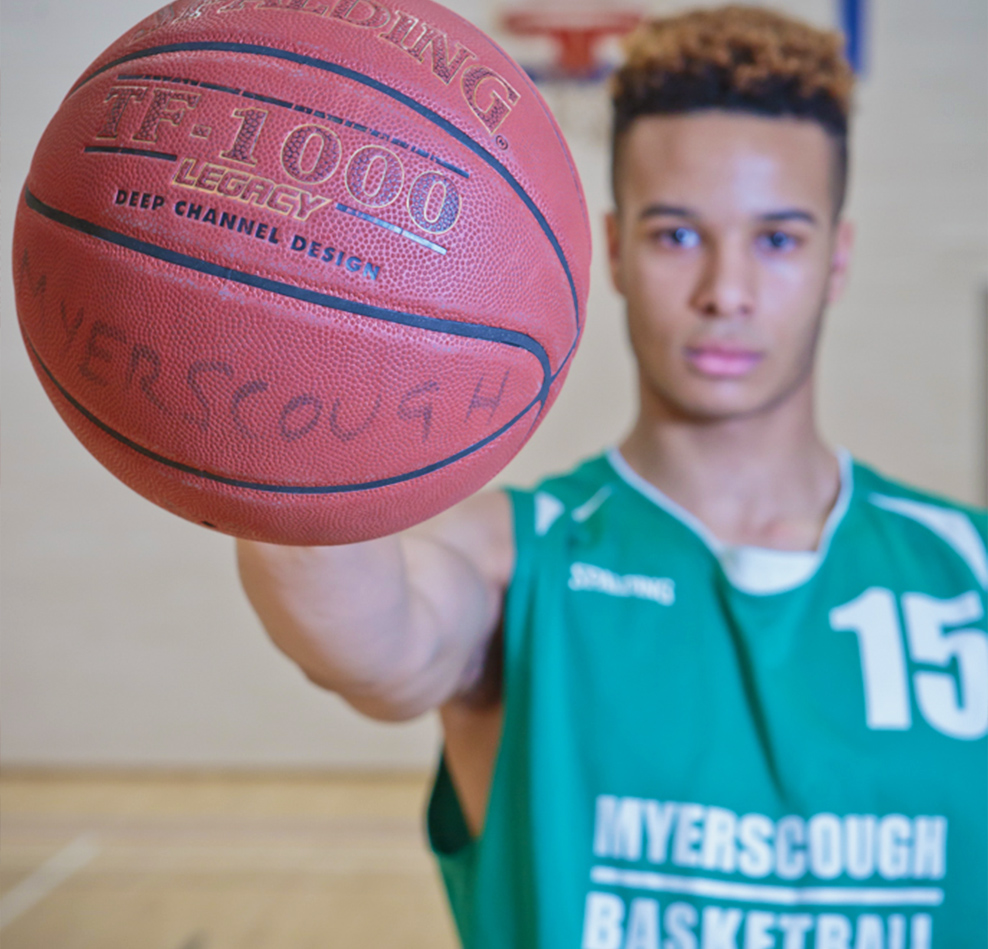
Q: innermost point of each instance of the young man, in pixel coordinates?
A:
(722, 687)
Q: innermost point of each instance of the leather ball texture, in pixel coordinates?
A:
(304, 271)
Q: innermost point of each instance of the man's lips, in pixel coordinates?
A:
(723, 362)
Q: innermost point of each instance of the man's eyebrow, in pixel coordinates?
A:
(666, 210)
(773, 217)
(790, 214)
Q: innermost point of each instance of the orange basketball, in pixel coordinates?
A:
(304, 271)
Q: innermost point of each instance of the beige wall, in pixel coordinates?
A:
(125, 637)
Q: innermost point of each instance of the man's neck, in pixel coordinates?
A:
(766, 480)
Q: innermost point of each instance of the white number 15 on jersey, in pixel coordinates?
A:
(955, 705)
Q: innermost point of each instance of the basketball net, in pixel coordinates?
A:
(568, 49)
(577, 32)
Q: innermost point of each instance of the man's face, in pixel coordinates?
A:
(726, 250)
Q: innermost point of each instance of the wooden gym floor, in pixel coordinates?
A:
(98, 861)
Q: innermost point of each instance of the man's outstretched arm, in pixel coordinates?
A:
(396, 626)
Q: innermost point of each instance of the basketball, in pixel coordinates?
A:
(303, 271)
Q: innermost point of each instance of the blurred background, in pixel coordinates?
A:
(138, 694)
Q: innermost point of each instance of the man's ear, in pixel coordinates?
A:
(614, 250)
(840, 262)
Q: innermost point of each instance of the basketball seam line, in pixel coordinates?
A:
(429, 323)
(133, 152)
(260, 486)
(490, 333)
(434, 117)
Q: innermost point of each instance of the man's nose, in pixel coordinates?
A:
(727, 286)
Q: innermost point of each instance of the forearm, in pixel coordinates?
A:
(336, 611)
(393, 625)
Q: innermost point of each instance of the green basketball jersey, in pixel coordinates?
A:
(708, 748)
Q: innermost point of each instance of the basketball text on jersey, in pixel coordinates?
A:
(611, 923)
(634, 837)
(822, 847)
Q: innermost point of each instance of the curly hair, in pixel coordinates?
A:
(738, 59)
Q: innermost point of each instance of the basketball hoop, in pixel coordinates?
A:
(577, 34)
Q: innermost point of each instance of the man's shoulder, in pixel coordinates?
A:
(571, 485)
(917, 517)
(565, 493)
(893, 495)
(587, 491)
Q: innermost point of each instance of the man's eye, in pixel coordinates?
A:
(778, 240)
(680, 237)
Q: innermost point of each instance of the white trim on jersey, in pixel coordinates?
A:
(548, 510)
(950, 526)
(767, 893)
(759, 571)
(583, 513)
(764, 572)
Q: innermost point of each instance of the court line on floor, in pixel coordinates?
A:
(48, 877)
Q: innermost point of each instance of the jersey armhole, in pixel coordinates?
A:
(516, 596)
(446, 824)
(455, 848)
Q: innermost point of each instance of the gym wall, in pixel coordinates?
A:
(126, 640)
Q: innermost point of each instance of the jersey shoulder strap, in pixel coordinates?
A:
(920, 517)
(577, 494)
